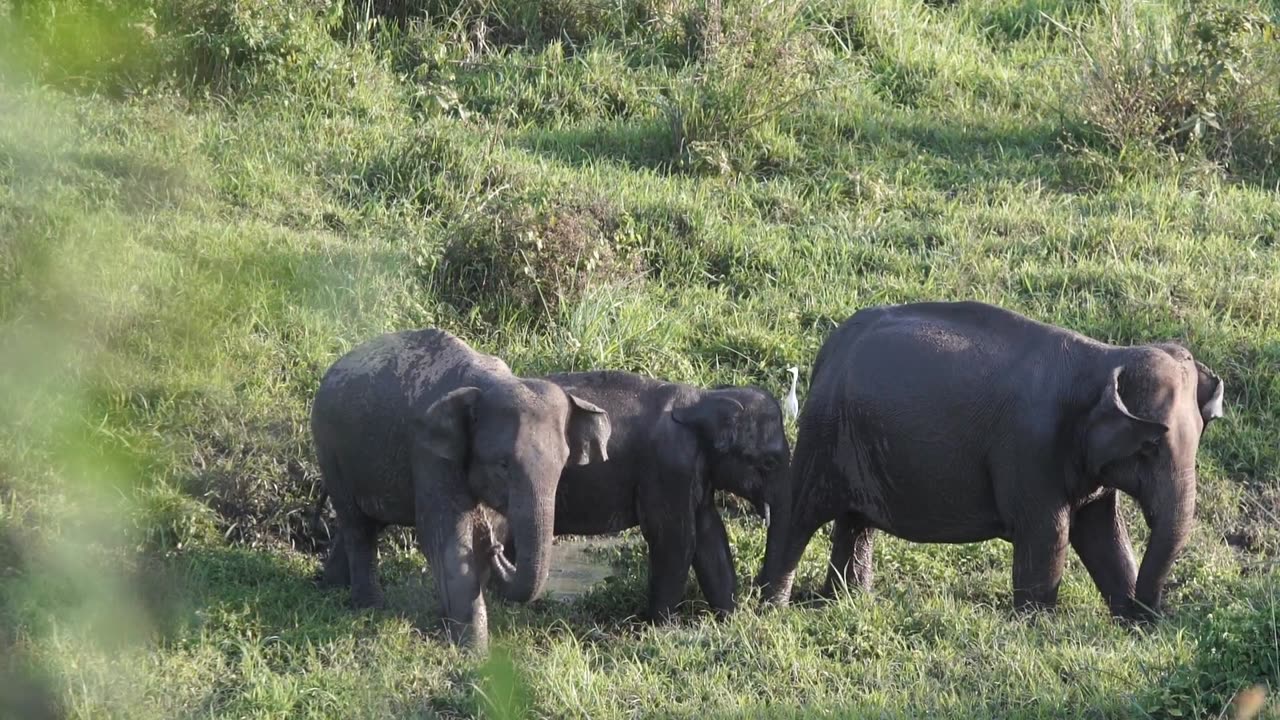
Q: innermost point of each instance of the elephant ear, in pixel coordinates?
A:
(1113, 433)
(1208, 393)
(714, 418)
(445, 428)
(588, 432)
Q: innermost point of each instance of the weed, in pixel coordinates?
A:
(1203, 80)
(726, 112)
(534, 262)
(199, 213)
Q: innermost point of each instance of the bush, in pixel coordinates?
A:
(538, 22)
(520, 259)
(218, 40)
(725, 112)
(1236, 648)
(1206, 83)
(104, 45)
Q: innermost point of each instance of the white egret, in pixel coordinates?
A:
(791, 404)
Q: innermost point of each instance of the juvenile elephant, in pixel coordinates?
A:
(416, 428)
(961, 422)
(671, 448)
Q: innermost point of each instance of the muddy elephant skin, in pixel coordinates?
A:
(418, 429)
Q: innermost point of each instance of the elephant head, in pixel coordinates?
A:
(1141, 436)
(513, 440)
(741, 435)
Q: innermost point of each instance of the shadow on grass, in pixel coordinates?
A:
(643, 146)
(948, 155)
(954, 155)
(276, 595)
(281, 597)
(915, 707)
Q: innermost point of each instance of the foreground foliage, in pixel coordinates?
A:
(203, 204)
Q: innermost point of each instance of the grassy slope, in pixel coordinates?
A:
(178, 272)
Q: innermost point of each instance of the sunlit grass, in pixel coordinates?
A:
(186, 244)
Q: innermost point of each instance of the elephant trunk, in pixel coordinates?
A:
(532, 521)
(774, 580)
(1169, 508)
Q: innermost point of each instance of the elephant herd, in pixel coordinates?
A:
(934, 422)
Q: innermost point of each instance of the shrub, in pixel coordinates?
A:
(1236, 648)
(88, 44)
(1207, 82)
(725, 112)
(218, 40)
(521, 259)
(537, 22)
(124, 45)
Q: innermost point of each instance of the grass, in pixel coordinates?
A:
(196, 222)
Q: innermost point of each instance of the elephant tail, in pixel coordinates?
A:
(318, 523)
(315, 512)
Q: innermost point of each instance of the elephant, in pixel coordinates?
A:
(416, 428)
(963, 422)
(672, 447)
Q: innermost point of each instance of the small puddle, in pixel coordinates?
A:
(576, 566)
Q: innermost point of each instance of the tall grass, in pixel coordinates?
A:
(204, 207)
(1200, 80)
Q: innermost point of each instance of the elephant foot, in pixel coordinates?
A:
(723, 613)
(772, 596)
(663, 617)
(368, 599)
(1034, 610)
(837, 585)
(469, 638)
(1136, 614)
(335, 572)
(811, 598)
(330, 577)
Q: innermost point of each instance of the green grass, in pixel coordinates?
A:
(197, 216)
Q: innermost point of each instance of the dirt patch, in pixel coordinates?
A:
(1258, 532)
(263, 486)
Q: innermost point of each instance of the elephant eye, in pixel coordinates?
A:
(770, 464)
(1150, 447)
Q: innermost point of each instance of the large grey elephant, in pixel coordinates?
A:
(961, 422)
(672, 447)
(418, 429)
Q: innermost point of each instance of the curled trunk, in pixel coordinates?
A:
(532, 525)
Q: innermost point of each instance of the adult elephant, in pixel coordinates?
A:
(672, 447)
(961, 422)
(416, 428)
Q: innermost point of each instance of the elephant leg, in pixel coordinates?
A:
(671, 550)
(360, 538)
(448, 541)
(1100, 539)
(713, 561)
(851, 550)
(337, 569)
(1039, 555)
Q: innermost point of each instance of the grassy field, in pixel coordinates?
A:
(203, 204)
